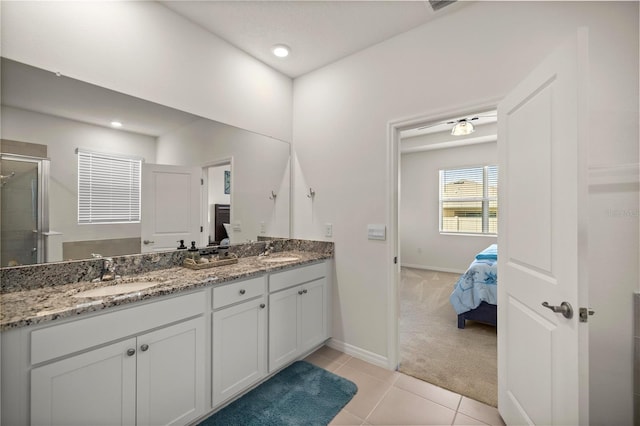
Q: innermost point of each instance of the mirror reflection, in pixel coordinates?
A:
(242, 178)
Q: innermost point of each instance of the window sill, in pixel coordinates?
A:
(463, 234)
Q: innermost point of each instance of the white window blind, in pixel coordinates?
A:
(108, 188)
(469, 200)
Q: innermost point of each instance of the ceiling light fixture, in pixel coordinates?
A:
(116, 124)
(462, 128)
(280, 50)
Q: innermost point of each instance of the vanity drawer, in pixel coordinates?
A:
(238, 291)
(84, 333)
(291, 277)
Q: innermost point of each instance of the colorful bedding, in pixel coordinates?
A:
(478, 284)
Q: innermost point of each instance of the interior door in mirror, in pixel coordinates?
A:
(170, 206)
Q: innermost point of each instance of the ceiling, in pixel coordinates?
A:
(318, 32)
(34, 89)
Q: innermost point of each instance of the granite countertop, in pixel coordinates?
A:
(40, 305)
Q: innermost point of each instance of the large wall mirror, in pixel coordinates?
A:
(47, 118)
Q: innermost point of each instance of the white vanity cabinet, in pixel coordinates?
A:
(99, 385)
(166, 361)
(239, 329)
(154, 377)
(298, 312)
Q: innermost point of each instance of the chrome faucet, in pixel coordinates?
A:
(267, 249)
(108, 270)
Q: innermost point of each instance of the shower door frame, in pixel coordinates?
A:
(42, 219)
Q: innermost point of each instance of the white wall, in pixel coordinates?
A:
(421, 244)
(340, 118)
(62, 137)
(259, 165)
(216, 185)
(143, 49)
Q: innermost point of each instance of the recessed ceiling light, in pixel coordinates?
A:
(116, 124)
(280, 50)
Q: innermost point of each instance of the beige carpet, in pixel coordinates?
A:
(434, 349)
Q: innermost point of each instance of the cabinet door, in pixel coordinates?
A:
(283, 327)
(171, 368)
(313, 312)
(96, 387)
(239, 348)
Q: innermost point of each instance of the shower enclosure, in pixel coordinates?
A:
(24, 221)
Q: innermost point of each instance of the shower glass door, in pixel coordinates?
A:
(23, 187)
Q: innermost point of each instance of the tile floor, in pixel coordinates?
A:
(390, 398)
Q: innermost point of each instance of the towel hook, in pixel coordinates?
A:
(311, 193)
(273, 195)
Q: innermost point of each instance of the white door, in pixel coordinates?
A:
(239, 348)
(284, 326)
(170, 206)
(97, 387)
(170, 375)
(542, 355)
(313, 312)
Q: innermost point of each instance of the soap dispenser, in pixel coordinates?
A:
(193, 252)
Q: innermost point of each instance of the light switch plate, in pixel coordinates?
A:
(263, 227)
(237, 226)
(328, 230)
(377, 232)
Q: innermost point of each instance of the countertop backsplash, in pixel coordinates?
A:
(28, 277)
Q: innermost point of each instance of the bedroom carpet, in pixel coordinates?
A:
(301, 394)
(434, 349)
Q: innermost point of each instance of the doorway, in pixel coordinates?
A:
(431, 260)
(218, 202)
(23, 209)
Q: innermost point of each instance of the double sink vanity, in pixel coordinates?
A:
(162, 344)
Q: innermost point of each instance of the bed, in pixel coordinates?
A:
(475, 295)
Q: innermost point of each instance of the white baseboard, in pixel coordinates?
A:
(433, 268)
(359, 353)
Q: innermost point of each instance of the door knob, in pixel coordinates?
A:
(565, 309)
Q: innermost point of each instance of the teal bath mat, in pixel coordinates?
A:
(301, 394)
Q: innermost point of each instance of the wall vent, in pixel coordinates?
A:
(439, 4)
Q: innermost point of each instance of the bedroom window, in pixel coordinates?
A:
(469, 200)
(108, 188)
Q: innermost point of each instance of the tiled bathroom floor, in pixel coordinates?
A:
(390, 398)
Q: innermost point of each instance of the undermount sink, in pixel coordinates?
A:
(122, 288)
(279, 259)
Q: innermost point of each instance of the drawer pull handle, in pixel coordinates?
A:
(131, 352)
(262, 305)
(144, 347)
(242, 291)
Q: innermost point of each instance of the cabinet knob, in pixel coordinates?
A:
(300, 292)
(144, 347)
(262, 305)
(131, 352)
(242, 291)
(304, 291)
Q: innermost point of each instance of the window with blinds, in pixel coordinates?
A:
(108, 188)
(469, 200)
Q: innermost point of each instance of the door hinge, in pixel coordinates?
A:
(395, 260)
(201, 229)
(201, 181)
(584, 314)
